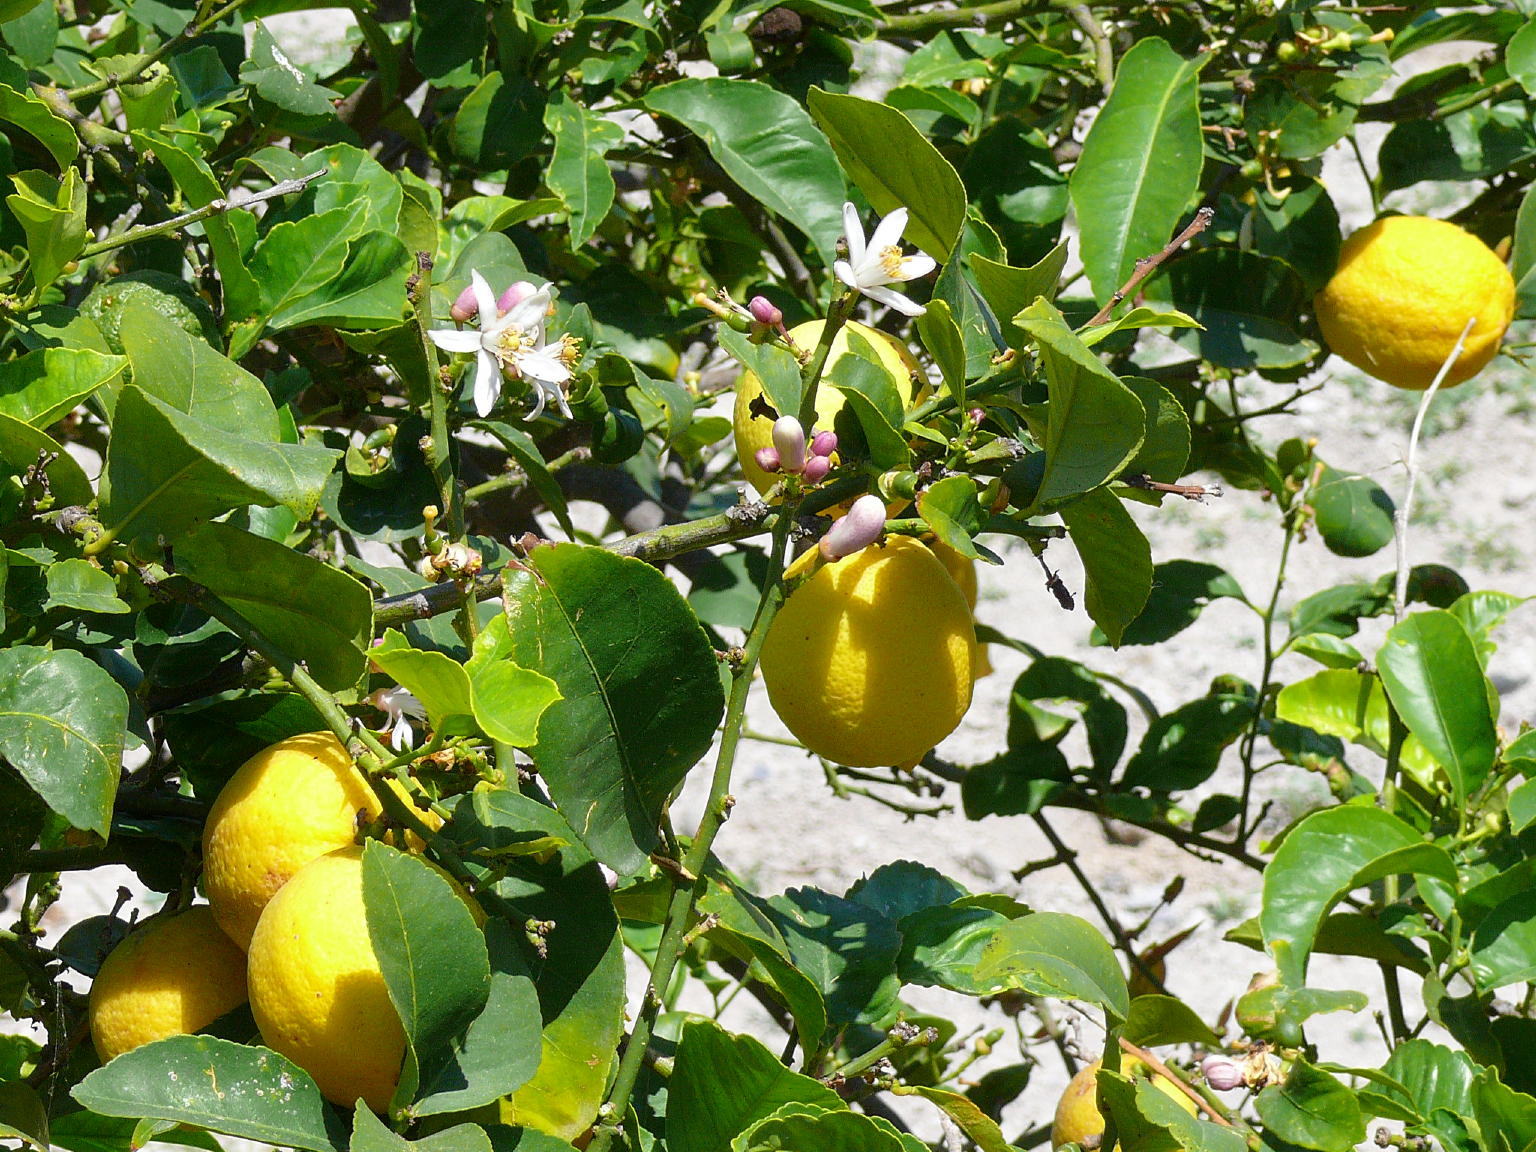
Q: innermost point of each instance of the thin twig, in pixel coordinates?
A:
(1146, 265)
(191, 31)
(1161, 1069)
(1401, 517)
(1103, 55)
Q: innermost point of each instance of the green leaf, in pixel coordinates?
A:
(873, 400)
(723, 1084)
(1354, 513)
(167, 470)
(775, 369)
(1094, 423)
(61, 728)
(1117, 560)
(33, 116)
(1276, 1012)
(1182, 749)
(1523, 257)
(1140, 164)
(641, 694)
(847, 949)
(23, 447)
(1433, 678)
(1432, 1076)
(1165, 441)
(42, 386)
(211, 1083)
(432, 956)
(941, 336)
(52, 214)
(895, 166)
(1312, 1109)
(370, 1135)
(578, 170)
(978, 1127)
(1156, 1020)
(1147, 1118)
(1181, 590)
(174, 365)
(1053, 954)
(800, 1128)
(952, 508)
(313, 612)
(508, 699)
(81, 585)
(1057, 681)
(1464, 146)
(276, 79)
(311, 273)
(767, 144)
(1345, 934)
(1009, 291)
(1325, 857)
(500, 121)
(580, 980)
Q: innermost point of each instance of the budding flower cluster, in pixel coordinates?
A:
(788, 453)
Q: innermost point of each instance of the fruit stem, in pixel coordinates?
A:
(716, 809)
(810, 375)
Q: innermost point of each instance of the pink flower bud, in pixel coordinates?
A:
(1221, 1074)
(977, 415)
(816, 469)
(823, 443)
(466, 307)
(789, 439)
(767, 459)
(764, 312)
(514, 296)
(861, 527)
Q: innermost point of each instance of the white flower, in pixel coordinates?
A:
(512, 343)
(869, 268)
(400, 706)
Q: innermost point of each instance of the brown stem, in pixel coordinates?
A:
(1146, 265)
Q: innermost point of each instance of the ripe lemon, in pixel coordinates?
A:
(869, 662)
(754, 432)
(175, 974)
(286, 805)
(963, 572)
(317, 992)
(1405, 287)
(1077, 1113)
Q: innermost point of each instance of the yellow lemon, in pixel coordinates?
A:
(963, 572)
(1077, 1113)
(754, 432)
(317, 992)
(869, 662)
(288, 804)
(173, 975)
(1405, 287)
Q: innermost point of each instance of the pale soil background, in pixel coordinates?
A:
(1476, 498)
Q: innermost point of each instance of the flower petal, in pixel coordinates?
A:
(487, 382)
(485, 298)
(853, 232)
(888, 231)
(845, 273)
(451, 340)
(543, 364)
(914, 266)
(894, 299)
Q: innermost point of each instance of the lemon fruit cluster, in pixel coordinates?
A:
(172, 975)
(755, 432)
(1404, 289)
(871, 661)
(1077, 1113)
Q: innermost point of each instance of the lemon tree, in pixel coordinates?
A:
(386, 579)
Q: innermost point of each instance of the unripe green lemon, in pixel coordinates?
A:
(1077, 1113)
(1404, 289)
(170, 296)
(173, 975)
(870, 661)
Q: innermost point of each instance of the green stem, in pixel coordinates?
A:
(810, 375)
(967, 15)
(190, 32)
(1103, 55)
(516, 477)
(440, 453)
(902, 1036)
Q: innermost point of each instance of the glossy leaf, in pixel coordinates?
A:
(1053, 954)
(1354, 513)
(766, 143)
(641, 695)
(42, 386)
(211, 1083)
(1140, 164)
(952, 508)
(1155, 1020)
(1183, 748)
(979, 1128)
(312, 272)
(1094, 424)
(1181, 590)
(433, 958)
(1165, 441)
(895, 166)
(81, 585)
(52, 214)
(799, 1128)
(1117, 560)
(723, 1084)
(847, 949)
(1312, 1109)
(61, 728)
(369, 1134)
(32, 115)
(578, 170)
(23, 446)
(1009, 291)
(1434, 680)
(1246, 304)
(313, 612)
(1325, 857)
(1504, 943)
(941, 336)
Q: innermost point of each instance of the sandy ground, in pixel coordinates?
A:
(1474, 511)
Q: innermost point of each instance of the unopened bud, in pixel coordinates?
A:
(1221, 1074)
(767, 459)
(466, 307)
(977, 415)
(861, 527)
(816, 469)
(789, 439)
(823, 443)
(764, 312)
(515, 295)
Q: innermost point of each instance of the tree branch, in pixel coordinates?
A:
(1146, 265)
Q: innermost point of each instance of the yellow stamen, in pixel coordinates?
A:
(890, 261)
